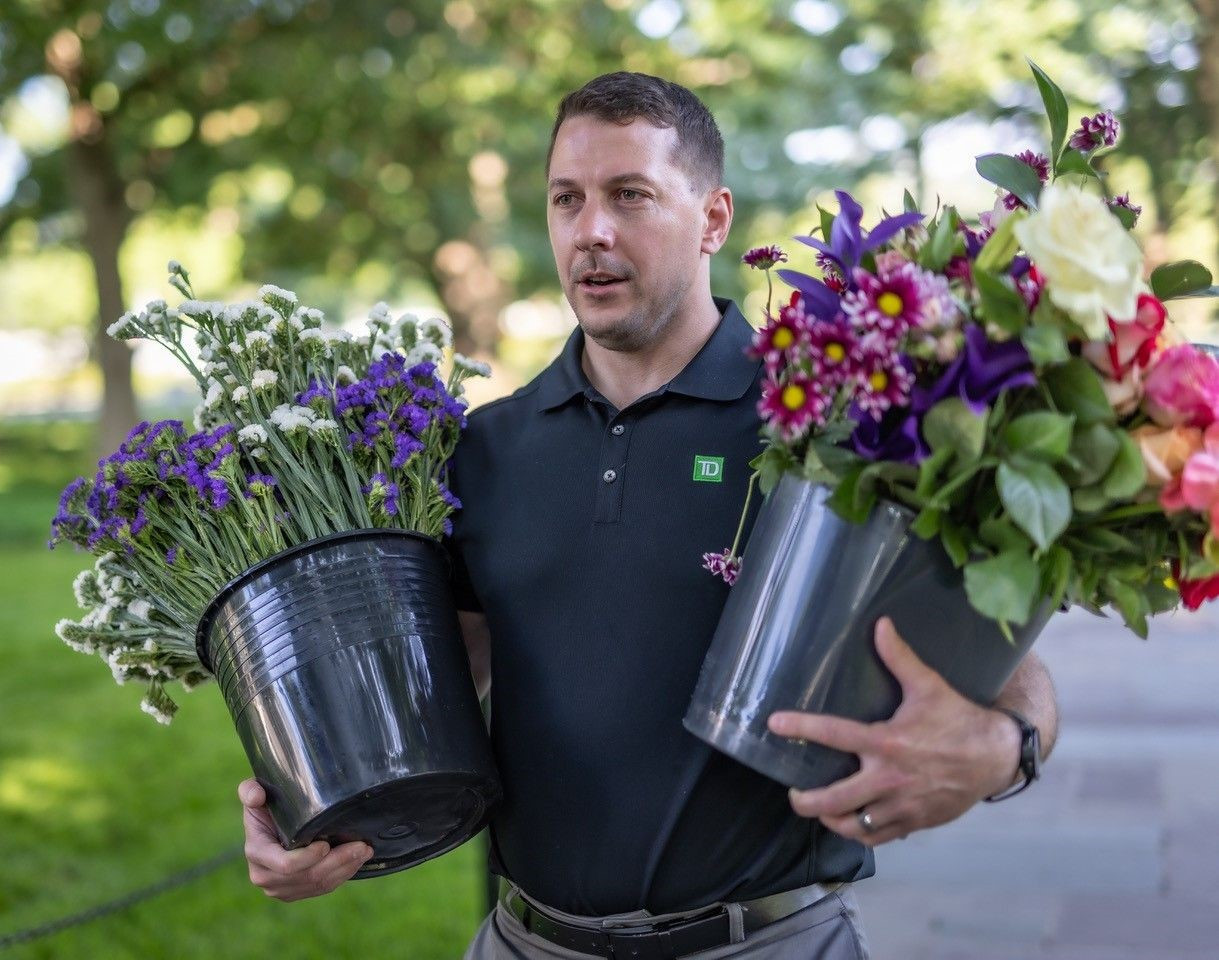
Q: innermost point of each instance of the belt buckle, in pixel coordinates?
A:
(656, 943)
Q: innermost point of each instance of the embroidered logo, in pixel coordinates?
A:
(708, 469)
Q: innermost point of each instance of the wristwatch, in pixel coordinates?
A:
(1030, 756)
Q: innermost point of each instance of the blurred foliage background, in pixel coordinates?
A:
(364, 151)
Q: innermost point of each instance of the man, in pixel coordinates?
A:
(578, 552)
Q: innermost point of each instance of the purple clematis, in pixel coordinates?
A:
(846, 246)
(981, 372)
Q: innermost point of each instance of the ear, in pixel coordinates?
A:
(717, 219)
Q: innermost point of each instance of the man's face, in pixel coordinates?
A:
(626, 226)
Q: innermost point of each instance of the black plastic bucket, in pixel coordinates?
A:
(797, 631)
(342, 664)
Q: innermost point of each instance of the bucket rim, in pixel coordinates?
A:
(364, 533)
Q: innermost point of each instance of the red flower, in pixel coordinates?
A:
(1131, 343)
(1194, 593)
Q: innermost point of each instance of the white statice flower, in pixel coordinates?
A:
(264, 379)
(176, 281)
(215, 392)
(437, 331)
(291, 419)
(154, 711)
(378, 317)
(85, 589)
(211, 368)
(312, 334)
(268, 292)
(363, 339)
(125, 327)
(236, 347)
(324, 426)
(206, 353)
(240, 394)
(311, 317)
(273, 327)
(1091, 264)
(76, 636)
(423, 352)
(201, 308)
(259, 453)
(474, 367)
(174, 267)
(345, 374)
(338, 336)
(229, 380)
(255, 433)
(140, 609)
(258, 341)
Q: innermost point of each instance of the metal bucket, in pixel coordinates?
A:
(797, 631)
(342, 664)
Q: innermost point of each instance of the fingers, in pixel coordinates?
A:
(888, 823)
(841, 798)
(850, 736)
(899, 657)
(292, 874)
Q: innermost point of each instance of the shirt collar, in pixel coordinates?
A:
(719, 371)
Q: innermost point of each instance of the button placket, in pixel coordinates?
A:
(615, 443)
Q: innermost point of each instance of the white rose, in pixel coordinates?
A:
(1091, 264)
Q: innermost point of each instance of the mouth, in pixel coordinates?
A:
(599, 283)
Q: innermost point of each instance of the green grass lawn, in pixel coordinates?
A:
(97, 800)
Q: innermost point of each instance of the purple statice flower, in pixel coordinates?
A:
(723, 565)
(1096, 131)
(763, 258)
(1041, 166)
(982, 371)
(259, 485)
(449, 497)
(171, 556)
(68, 524)
(316, 391)
(893, 437)
(382, 493)
(1124, 202)
(405, 447)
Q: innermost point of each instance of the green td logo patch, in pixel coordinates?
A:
(708, 469)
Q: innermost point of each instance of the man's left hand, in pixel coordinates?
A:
(937, 756)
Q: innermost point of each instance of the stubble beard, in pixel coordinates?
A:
(642, 326)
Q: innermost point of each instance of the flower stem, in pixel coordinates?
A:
(753, 477)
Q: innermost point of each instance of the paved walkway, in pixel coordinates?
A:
(1114, 853)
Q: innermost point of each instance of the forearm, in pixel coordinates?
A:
(1030, 692)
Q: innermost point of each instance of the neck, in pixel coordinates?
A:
(622, 377)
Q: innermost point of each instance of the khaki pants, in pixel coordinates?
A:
(826, 930)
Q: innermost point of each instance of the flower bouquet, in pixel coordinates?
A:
(289, 549)
(966, 427)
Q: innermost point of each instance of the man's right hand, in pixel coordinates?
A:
(292, 874)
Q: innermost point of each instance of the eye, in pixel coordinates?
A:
(564, 200)
(630, 195)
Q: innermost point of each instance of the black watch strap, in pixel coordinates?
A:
(1030, 756)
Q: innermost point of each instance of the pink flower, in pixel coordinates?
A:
(1124, 202)
(1095, 131)
(1041, 166)
(723, 565)
(834, 351)
(883, 381)
(1131, 343)
(763, 258)
(1199, 487)
(783, 335)
(790, 406)
(1183, 387)
(1194, 593)
(891, 302)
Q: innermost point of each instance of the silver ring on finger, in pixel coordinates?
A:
(866, 823)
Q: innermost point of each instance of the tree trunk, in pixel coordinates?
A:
(99, 194)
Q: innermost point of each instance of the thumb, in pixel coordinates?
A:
(902, 661)
(251, 794)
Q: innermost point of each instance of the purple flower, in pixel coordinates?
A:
(1124, 202)
(1096, 131)
(894, 437)
(981, 372)
(171, 556)
(723, 565)
(763, 258)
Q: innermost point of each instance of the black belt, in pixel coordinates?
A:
(664, 940)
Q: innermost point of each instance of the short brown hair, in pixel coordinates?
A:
(622, 97)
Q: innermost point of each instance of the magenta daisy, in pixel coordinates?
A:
(790, 406)
(782, 335)
(890, 304)
(834, 350)
(883, 381)
(1124, 202)
(1096, 131)
(763, 258)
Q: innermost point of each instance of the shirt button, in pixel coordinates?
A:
(617, 429)
(609, 476)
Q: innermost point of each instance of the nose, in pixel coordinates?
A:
(594, 227)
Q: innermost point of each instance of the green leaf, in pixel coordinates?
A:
(1128, 474)
(929, 470)
(909, 204)
(1179, 279)
(927, 524)
(1089, 500)
(1004, 587)
(1198, 294)
(1056, 570)
(771, 464)
(951, 425)
(1012, 175)
(953, 539)
(1000, 533)
(1076, 388)
(1046, 345)
(1042, 435)
(938, 251)
(1074, 162)
(827, 223)
(1055, 109)
(1001, 304)
(1036, 498)
(1126, 216)
(1094, 449)
(1130, 604)
(996, 254)
(854, 496)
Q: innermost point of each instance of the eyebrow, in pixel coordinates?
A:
(618, 180)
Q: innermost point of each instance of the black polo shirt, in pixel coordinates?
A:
(581, 539)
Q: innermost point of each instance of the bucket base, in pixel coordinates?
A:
(445, 810)
(770, 755)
